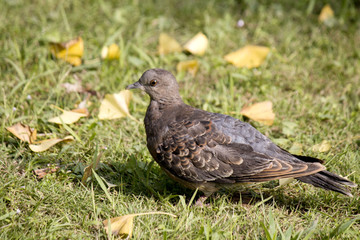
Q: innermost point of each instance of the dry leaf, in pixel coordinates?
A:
(73, 87)
(41, 173)
(326, 13)
(87, 173)
(46, 144)
(249, 56)
(191, 66)
(123, 225)
(168, 44)
(324, 146)
(111, 52)
(88, 169)
(261, 112)
(23, 132)
(197, 45)
(70, 51)
(69, 117)
(285, 181)
(115, 105)
(296, 148)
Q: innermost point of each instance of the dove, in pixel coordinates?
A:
(212, 151)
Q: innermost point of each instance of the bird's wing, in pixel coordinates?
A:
(196, 150)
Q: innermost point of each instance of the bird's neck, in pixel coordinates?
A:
(163, 107)
(166, 103)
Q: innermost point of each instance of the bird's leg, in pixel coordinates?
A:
(200, 201)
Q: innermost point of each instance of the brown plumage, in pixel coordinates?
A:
(211, 151)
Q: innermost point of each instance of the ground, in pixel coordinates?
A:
(312, 77)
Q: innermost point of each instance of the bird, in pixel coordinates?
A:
(212, 151)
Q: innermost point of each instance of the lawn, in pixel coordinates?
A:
(312, 77)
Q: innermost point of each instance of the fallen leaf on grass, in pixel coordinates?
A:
(191, 66)
(110, 52)
(48, 143)
(197, 45)
(88, 169)
(289, 128)
(324, 146)
(73, 87)
(261, 112)
(69, 117)
(296, 148)
(285, 181)
(123, 225)
(249, 56)
(168, 44)
(23, 132)
(115, 105)
(41, 173)
(70, 51)
(326, 14)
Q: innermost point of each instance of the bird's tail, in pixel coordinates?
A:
(329, 181)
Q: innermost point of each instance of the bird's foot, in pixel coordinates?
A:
(200, 202)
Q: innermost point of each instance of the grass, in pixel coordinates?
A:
(311, 76)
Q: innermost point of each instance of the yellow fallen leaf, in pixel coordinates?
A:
(168, 44)
(83, 111)
(261, 112)
(46, 144)
(115, 105)
(69, 117)
(70, 51)
(192, 66)
(197, 45)
(123, 225)
(249, 56)
(326, 13)
(41, 173)
(23, 132)
(110, 52)
(324, 146)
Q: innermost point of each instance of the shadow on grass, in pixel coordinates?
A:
(139, 178)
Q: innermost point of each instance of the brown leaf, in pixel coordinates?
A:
(23, 132)
(41, 173)
(88, 169)
(261, 112)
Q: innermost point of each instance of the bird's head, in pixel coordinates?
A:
(160, 84)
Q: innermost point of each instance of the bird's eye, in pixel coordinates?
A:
(153, 82)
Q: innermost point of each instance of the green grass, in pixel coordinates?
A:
(311, 76)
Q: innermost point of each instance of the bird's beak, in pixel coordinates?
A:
(135, 85)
